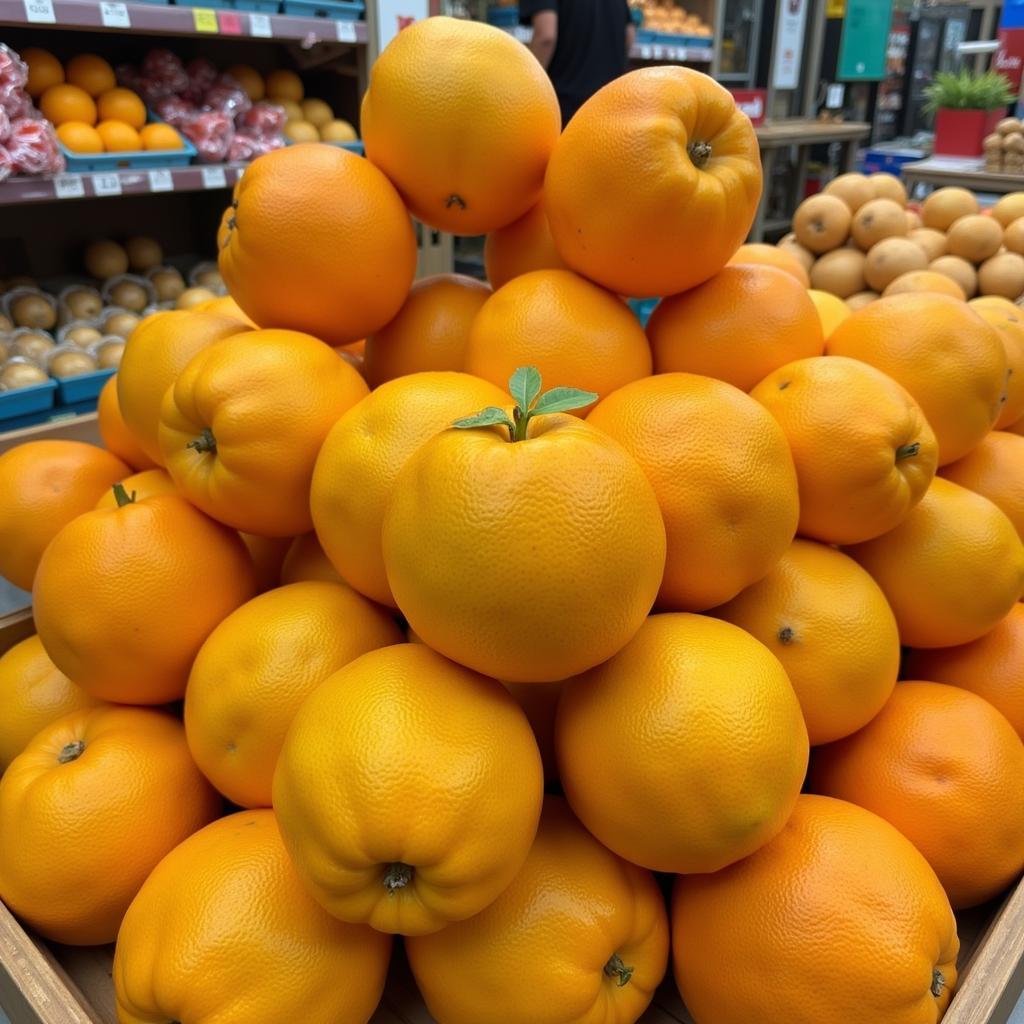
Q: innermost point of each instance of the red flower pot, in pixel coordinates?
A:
(960, 132)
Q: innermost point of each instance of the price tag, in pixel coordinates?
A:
(40, 12)
(659, 53)
(260, 26)
(106, 184)
(214, 177)
(346, 31)
(230, 23)
(115, 15)
(68, 186)
(645, 53)
(161, 181)
(205, 20)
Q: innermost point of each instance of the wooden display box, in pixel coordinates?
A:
(43, 983)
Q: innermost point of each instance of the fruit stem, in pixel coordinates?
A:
(908, 451)
(71, 752)
(521, 421)
(700, 154)
(455, 200)
(615, 968)
(938, 982)
(397, 876)
(122, 497)
(204, 443)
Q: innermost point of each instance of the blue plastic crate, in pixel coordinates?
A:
(85, 388)
(646, 35)
(503, 17)
(35, 400)
(643, 308)
(144, 160)
(339, 10)
(259, 6)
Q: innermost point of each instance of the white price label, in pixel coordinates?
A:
(346, 31)
(260, 26)
(68, 186)
(40, 11)
(106, 184)
(161, 181)
(645, 53)
(115, 15)
(214, 177)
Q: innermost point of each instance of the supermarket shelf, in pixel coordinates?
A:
(668, 53)
(118, 183)
(160, 19)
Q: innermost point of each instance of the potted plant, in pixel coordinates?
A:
(967, 108)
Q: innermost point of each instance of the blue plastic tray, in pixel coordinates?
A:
(643, 308)
(503, 17)
(260, 6)
(339, 10)
(667, 39)
(85, 388)
(33, 400)
(144, 160)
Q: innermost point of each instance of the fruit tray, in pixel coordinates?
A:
(339, 10)
(143, 160)
(17, 407)
(503, 17)
(83, 389)
(669, 39)
(261, 6)
(50, 984)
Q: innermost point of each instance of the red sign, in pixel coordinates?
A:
(1009, 58)
(752, 103)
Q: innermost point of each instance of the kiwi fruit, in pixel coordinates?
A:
(20, 373)
(121, 324)
(129, 295)
(33, 311)
(83, 337)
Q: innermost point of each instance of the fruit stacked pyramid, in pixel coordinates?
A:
(558, 605)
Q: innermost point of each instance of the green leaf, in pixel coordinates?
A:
(524, 386)
(562, 400)
(492, 416)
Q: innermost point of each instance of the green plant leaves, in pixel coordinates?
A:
(492, 416)
(562, 400)
(964, 91)
(524, 386)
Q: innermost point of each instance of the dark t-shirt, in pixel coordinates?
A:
(591, 46)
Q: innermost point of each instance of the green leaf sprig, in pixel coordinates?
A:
(524, 386)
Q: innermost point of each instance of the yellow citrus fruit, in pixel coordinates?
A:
(91, 73)
(80, 137)
(119, 137)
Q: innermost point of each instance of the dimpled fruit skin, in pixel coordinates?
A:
(995, 469)
(258, 666)
(528, 561)
(838, 920)
(723, 476)
(34, 693)
(224, 933)
(950, 360)
(156, 353)
(576, 334)
(740, 325)
(944, 767)
(362, 455)
(43, 486)
(628, 207)
(572, 906)
(465, 159)
(829, 624)
(951, 570)
(269, 398)
(436, 768)
(636, 737)
(858, 475)
(991, 666)
(77, 840)
(160, 570)
(338, 268)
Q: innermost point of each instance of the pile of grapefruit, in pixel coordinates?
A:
(567, 650)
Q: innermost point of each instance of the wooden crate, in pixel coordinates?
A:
(43, 983)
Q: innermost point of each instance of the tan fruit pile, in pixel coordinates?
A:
(558, 604)
(859, 239)
(1004, 148)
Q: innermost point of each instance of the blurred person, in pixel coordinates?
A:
(583, 44)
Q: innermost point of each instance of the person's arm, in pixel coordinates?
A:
(545, 36)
